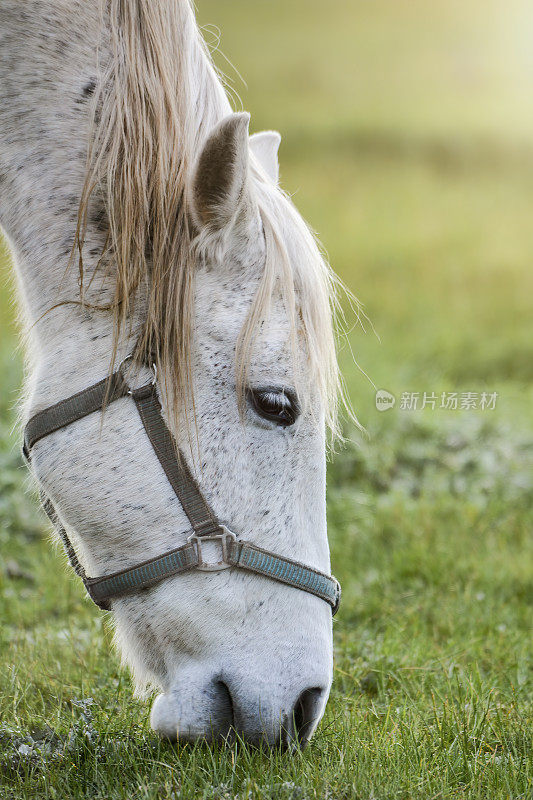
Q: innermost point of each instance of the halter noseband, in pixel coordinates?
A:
(234, 552)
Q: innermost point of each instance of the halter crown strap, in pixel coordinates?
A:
(206, 527)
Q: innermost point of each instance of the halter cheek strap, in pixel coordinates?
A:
(206, 528)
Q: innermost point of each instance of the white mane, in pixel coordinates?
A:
(158, 101)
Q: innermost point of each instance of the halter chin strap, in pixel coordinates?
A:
(207, 530)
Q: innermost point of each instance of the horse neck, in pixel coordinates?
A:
(42, 182)
(44, 130)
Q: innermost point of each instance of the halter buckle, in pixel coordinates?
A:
(219, 538)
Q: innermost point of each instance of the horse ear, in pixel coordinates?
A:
(219, 187)
(265, 146)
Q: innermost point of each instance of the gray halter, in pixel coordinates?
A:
(234, 552)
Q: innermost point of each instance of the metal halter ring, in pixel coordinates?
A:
(222, 537)
(152, 367)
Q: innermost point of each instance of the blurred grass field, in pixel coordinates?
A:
(408, 144)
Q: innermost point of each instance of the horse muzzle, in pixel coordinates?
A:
(222, 707)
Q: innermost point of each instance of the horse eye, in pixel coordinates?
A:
(277, 405)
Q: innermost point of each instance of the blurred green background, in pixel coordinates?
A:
(408, 144)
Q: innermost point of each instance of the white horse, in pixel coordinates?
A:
(119, 150)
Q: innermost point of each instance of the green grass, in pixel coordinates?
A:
(406, 141)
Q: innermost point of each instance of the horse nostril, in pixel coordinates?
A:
(305, 715)
(226, 701)
(191, 711)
